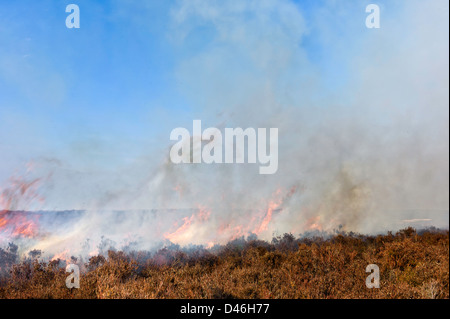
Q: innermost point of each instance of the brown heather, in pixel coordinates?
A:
(412, 265)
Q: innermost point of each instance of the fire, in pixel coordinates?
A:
(182, 229)
(264, 224)
(273, 206)
(197, 227)
(313, 223)
(18, 223)
(64, 255)
(237, 232)
(94, 253)
(186, 232)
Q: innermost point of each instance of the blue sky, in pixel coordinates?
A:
(108, 77)
(102, 81)
(103, 96)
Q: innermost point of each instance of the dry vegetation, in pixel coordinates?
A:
(412, 265)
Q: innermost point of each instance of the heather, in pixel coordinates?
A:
(413, 264)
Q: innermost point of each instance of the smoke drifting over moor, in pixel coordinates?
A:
(363, 141)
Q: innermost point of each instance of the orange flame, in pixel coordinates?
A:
(231, 230)
(64, 256)
(18, 223)
(313, 223)
(272, 206)
(184, 231)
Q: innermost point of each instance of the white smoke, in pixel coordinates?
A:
(364, 152)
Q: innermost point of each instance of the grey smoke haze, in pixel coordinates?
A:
(363, 138)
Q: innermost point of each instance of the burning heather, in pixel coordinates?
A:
(18, 224)
(324, 266)
(62, 235)
(57, 234)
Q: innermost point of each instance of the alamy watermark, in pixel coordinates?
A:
(73, 19)
(373, 19)
(226, 148)
(373, 280)
(73, 280)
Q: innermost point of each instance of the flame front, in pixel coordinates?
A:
(18, 223)
(184, 233)
(200, 228)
